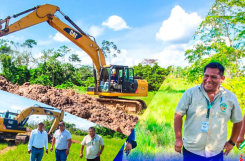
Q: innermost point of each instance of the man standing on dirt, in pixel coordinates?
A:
(207, 107)
(62, 141)
(38, 139)
(93, 143)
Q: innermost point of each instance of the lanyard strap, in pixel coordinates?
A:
(209, 107)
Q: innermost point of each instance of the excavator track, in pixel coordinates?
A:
(21, 139)
(126, 105)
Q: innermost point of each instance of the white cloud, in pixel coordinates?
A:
(81, 53)
(16, 107)
(179, 27)
(124, 59)
(37, 56)
(96, 31)
(116, 23)
(60, 38)
(86, 60)
(172, 55)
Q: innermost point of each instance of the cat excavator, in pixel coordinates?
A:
(12, 124)
(111, 81)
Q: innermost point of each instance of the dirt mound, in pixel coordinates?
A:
(80, 105)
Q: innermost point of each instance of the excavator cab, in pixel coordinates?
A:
(117, 79)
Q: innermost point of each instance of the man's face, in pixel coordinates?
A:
(61, 127)
(40, 126)
(212, 79)
(91, 132)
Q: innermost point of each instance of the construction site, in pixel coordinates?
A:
(81, 105)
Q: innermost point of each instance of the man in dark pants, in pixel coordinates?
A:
(62, 141)
(207, 107)
(93, 143)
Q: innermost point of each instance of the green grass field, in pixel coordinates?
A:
(3, 145)
(20, 153)
(155, 131)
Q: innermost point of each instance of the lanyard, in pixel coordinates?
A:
(210, 106)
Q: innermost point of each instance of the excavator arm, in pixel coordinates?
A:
(45, 13)
(23, 117)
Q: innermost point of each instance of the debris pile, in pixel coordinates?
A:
(80, 105)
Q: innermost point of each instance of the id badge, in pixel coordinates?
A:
(92, 148)
(205, 126)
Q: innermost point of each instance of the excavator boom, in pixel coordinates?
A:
(125, 85)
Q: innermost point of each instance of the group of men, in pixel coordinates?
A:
(207, 108)
(62, 140)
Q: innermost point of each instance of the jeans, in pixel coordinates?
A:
(189, 156)
(36, 155)
(60, 155)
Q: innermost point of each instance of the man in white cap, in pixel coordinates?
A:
(62, 141)
(38, 140)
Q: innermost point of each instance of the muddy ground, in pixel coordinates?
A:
(80, 105)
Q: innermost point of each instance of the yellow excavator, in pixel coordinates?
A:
(12, 124)
(111, 81)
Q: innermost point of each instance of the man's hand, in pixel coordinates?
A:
(46, 151)
(67, 151)
(29, 151)
(81, 155)
(128, 148)
(51, 149)
(178, 145)
(98, 154)
(240, 139)
(228, 147)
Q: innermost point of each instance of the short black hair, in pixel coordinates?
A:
(92, 128)
(216, 65)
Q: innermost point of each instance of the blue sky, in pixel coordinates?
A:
(141, 29)
(20, 103)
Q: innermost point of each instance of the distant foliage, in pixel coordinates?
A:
(236, 85)
(154, 75)
(108, 132)
(19, 66)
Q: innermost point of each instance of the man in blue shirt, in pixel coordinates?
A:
(38, 139)
(62, 141)
(131, 144)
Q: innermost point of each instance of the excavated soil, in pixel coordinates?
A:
(80, 105)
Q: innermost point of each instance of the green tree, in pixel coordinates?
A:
(109, 48)
(220, 35)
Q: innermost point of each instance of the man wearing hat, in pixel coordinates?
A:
(38, 139)
(62, 141)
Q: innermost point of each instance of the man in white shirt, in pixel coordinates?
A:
(93, 143)
(62, 141)
(38, 139)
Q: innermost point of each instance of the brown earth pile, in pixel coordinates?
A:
(80, 105)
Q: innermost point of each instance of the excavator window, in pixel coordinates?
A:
(104, 80)
(131, 75)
